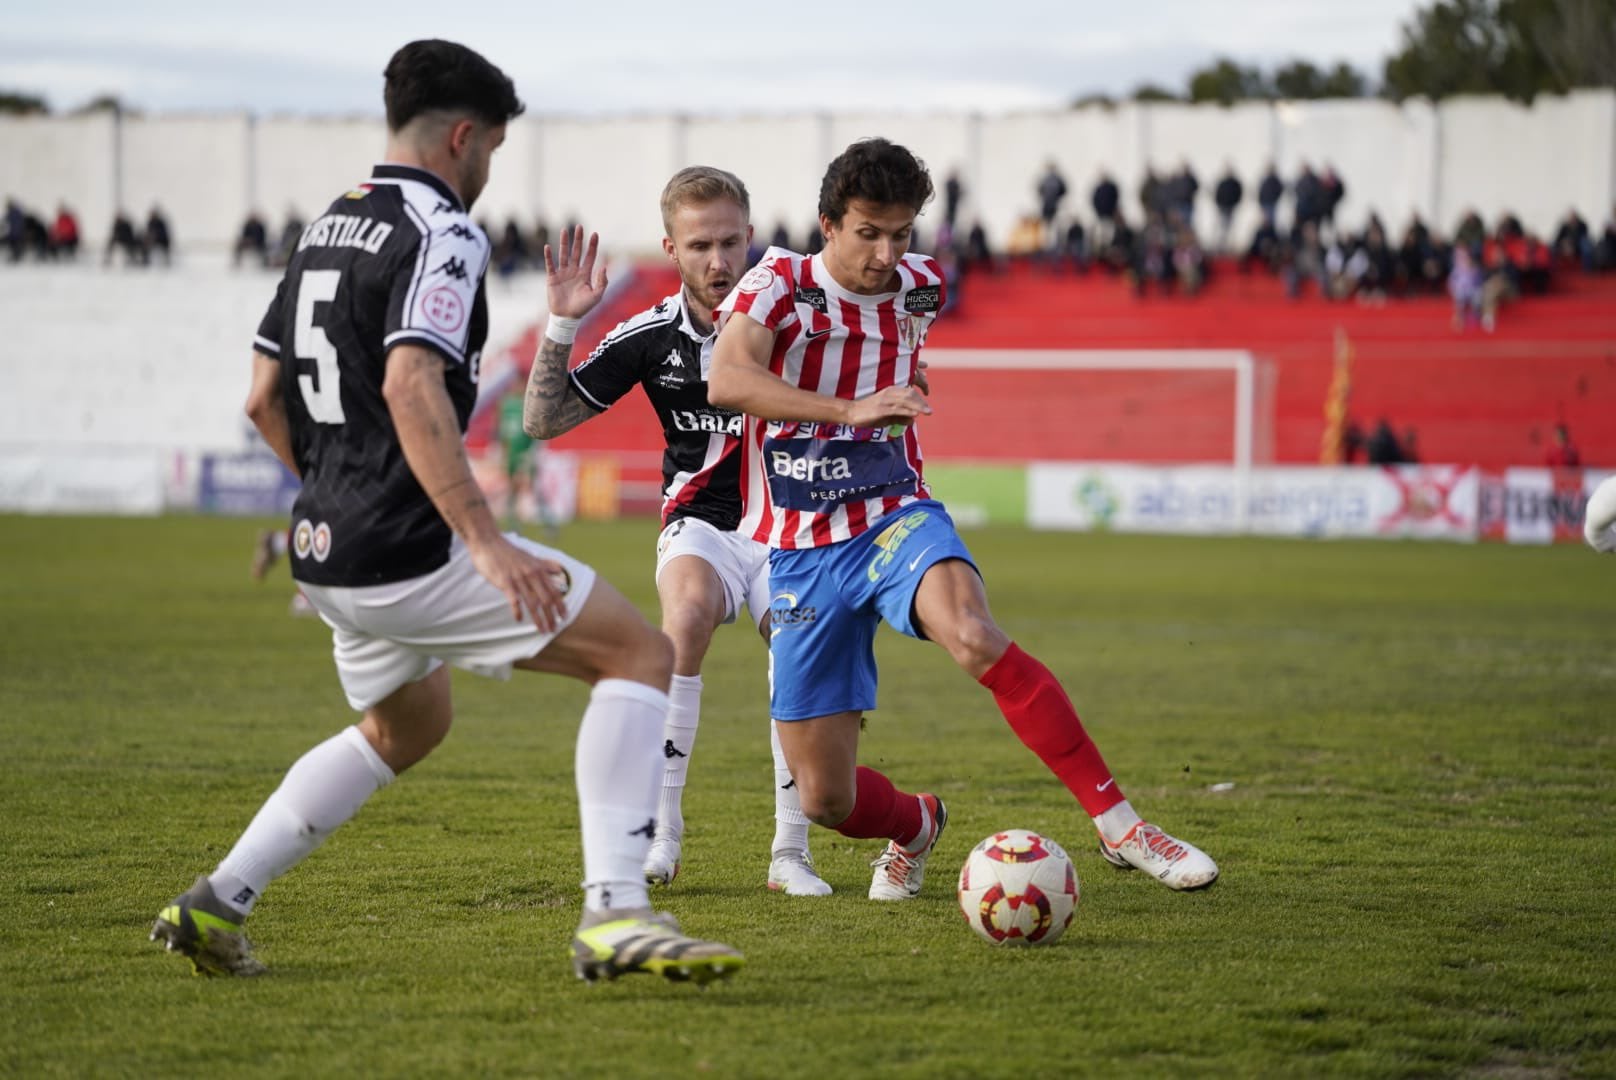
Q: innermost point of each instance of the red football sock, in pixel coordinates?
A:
(881, 810)
(1042, 717)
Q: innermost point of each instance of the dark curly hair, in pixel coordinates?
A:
(426, 76)
(875, 171)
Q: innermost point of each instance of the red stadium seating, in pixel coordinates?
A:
(1485, 399)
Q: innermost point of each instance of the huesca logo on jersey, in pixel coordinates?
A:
(923, 298)
(814, 298)
(786, 613)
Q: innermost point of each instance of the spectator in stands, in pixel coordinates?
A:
(1421, 263)
(1605, 250)
(1466, 285)
(1105, 200)
(1075, 248)
(1268, 249)
(978, 255)
(1269, 191)
(1152, 194)
(1563, 454)
(781, 237)
(159, 240)
(1182, 187)
(1051, 191)
(1152, 257)
(125, 239)
(1189, 261)
(1331, 191)
(252, 240)
(64, 233)
(953, 192)
(1117, 255)
(511, 253)
(1410, 449)
(540, 237)
(1573, 241)
(291, 233)
(816, 240)
(1383, 447)
(1377, 269)
(1226, 196)
(16, 228)
(1304, 260)
(1471, 233)
(1309, 194)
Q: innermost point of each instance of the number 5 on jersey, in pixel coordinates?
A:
(322, 391)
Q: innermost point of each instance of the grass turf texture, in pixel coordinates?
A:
(1417, 853)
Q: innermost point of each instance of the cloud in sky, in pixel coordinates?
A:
(643, 56)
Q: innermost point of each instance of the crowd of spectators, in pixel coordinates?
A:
(26, 235)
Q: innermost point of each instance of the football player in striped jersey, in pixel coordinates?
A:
(822, 354)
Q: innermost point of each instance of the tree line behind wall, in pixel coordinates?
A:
(1515, 48)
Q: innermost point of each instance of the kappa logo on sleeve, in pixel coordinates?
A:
(923, 298)
(757, 279)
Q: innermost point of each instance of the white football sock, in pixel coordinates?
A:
(1115, 823)
(323, 788)
(678, 739)
(790, 823)
(618, 764)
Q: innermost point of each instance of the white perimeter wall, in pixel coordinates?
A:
(1470, 153)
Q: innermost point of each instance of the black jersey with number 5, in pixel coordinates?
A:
(395, 261)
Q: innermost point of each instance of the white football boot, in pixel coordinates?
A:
(1175, 863)
(793, 873)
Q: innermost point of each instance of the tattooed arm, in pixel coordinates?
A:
(550, 408)
(574, 287)
(429, 433)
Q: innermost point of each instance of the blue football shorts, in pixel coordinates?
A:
(826, 602)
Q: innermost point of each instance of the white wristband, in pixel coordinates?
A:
(561, 329)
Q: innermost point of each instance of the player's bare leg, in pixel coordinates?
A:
(951, 608)
(860, 802)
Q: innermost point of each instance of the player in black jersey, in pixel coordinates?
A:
(705, 569)
(364, 373)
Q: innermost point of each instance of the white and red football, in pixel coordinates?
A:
(1018, 888)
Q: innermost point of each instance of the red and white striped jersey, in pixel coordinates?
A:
(811, 484)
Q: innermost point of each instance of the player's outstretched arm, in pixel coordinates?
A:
(740, 379)
(267, 409)
(549, 408)
(429, 433)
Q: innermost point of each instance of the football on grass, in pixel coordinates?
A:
(1018, 888)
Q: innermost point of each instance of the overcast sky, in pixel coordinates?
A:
(640, 56)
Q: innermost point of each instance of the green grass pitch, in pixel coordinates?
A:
(1418, 849)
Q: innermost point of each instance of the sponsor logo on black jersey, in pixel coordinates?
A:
(711, 421)
(454, 268)
(923, 298)
(814, 298)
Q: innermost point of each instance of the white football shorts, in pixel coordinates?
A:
(384, 636)
(742, 563)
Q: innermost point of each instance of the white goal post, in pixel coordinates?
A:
(1250, 404)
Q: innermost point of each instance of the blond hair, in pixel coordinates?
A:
(701, 184)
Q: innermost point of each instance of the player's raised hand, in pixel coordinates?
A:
(532, 585)
(894, 405)
(575, 284)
